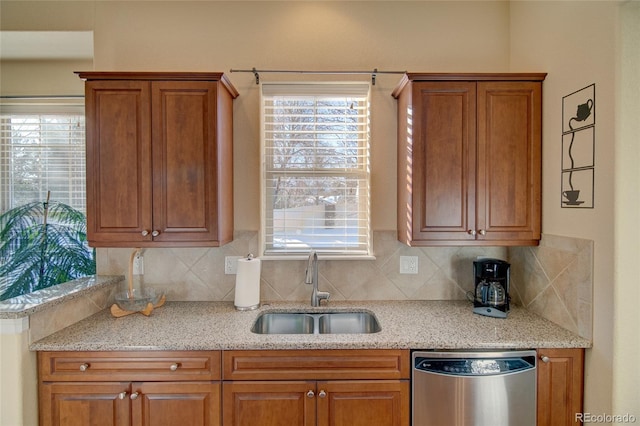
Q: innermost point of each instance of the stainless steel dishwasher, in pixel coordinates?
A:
(474, 388)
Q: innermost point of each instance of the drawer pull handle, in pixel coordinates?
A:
(155, 233)
(544, 358)
(471, 232)
(145, 233)
(174, 366)
(322, 394)
(122, 395)
(310, 394)
(84, 367)
(134, 395)
(482, 232)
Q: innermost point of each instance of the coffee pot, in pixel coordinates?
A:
(491, 287)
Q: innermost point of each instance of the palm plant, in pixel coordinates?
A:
(41, 245)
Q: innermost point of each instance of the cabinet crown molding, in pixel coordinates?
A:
(159, 76)
(440, 76)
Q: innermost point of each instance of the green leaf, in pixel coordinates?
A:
(36, 255)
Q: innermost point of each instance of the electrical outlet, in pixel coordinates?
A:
(138, 265)
(408, 264)
(231, 265)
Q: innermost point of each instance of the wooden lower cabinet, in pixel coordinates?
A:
(111, 404)
(268, 403)
(560, 386)
(266, 388)
(320, 387)
(323, 403)
(363, 403)
(84, 404)
(176, 404)
(90, 388)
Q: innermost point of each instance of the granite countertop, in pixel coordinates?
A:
(28, 304)
(217, 325)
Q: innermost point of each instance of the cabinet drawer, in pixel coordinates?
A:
(113, 366)
(315, 364)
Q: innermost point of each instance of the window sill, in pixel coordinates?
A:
(320, 257)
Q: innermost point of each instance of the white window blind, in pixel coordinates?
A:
(315, 180)
(42, 148)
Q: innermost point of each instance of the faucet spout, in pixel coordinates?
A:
(311, 277)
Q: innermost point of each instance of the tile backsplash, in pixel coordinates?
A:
(444, 273)
(553, 279)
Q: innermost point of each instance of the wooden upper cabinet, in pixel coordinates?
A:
(159, 159)
(469, 159)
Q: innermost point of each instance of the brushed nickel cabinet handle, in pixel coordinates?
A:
(311, 394)
(322, 394)
(471, 232)
(122, 395)
(544, 358)
(482, 232)
(155, 233)
(84, 367)
(145, 233)
(174, 366)
(134, 395)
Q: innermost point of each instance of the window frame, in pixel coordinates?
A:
(39, 107)
(363, 174)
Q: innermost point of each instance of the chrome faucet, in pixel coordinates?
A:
(311, 277)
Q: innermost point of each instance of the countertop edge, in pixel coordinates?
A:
(447, 325)
(23, 306)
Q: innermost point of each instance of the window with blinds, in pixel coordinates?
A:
(40, 152)
(315, 177)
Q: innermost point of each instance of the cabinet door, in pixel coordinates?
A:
(509, 161)
(269, 403)
(363, 403)
(118, 161)
(443, 161)
(184, 161)
(84, 404)
(560, 386)
(176, 404)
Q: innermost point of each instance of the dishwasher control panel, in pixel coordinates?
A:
(474, 367)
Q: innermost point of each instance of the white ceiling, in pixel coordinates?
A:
(46, 45)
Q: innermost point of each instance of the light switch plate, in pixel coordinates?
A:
(231, 265)
(408, 264)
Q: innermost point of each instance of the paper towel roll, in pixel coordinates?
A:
(247, 284)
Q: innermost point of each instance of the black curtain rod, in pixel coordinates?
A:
(373, 73)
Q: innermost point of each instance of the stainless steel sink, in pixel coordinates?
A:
(316, 323)
(348, 322)
(283, 323)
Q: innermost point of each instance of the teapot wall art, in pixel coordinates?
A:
(578, 148)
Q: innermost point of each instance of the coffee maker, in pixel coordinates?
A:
(491, 287)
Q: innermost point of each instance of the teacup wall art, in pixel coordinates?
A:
(578, 148)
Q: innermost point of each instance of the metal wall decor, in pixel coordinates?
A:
(578, 148)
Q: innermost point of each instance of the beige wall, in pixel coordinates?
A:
(18, 386)
(577, 44)
(626, 343)
(42, 78)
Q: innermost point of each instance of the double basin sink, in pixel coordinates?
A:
(316, 323)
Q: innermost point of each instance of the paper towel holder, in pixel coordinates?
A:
(247, 291)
